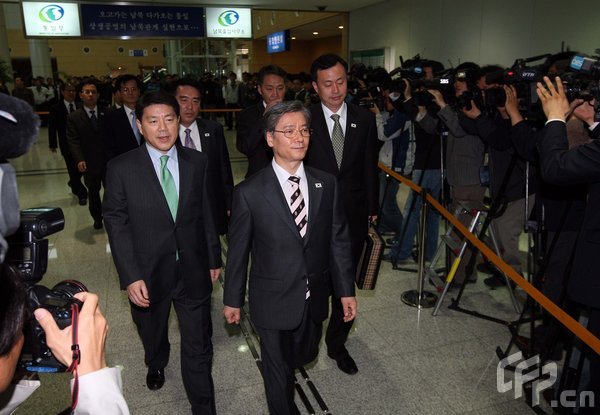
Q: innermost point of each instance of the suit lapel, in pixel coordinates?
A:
(186, 173)
(315, 193)
(204, 134)
(274, 195)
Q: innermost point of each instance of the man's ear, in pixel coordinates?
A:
(269, 138)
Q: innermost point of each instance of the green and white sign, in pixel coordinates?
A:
(227, 22)
(51, 19)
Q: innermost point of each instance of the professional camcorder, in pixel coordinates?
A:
(28, 254)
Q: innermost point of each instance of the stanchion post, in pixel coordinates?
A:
(420, 298)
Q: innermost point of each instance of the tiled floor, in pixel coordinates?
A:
(409, 361)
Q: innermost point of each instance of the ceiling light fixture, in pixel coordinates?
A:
(340, 27)
(315, 33)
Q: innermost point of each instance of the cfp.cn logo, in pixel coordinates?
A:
(51, 13)
(542, 378)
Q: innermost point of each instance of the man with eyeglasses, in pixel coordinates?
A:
(87, 147)
(57, 138)
(120, 131)
(288, 220)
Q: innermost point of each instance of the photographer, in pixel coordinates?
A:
(98, 388)
(427, 174)
(561, 165)
(508, 172)
(464, 152)
(394, 132)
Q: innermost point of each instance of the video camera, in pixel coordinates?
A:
(28, 254)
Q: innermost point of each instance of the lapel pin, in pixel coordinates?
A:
(318, 185)
(206, 134)
(353, 125)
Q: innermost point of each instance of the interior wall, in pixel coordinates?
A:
(298, 58)
(103, 54)
(483, 31)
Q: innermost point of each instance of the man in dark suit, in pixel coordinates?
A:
(567, 167)
(87, 146)
(290, 220)
(250, 124)
(165, 247)
(57, 138)
(206, 136)
(348, 149)
(120, 131)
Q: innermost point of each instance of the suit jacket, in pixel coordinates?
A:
(220, 182)
(57, 126)
(85, 141)
(567, 167)
(118, 134)
(358, 173)
(145, 241)
(262, 226)
(250, 139)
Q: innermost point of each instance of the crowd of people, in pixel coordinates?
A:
(312, 187)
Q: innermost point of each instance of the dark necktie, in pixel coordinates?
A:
(337, 139)
(136, 131)
(189, 143)
(71, 108)
(94, 119)
(297, 206)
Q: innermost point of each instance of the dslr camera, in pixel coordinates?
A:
(28, 254)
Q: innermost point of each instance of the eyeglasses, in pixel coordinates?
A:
(304, 132)
(89, 92)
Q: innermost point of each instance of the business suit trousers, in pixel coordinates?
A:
(282, 351)
(94, 181)
(195, 327)
(75, 175)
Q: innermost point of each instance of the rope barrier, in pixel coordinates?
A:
(566, 320)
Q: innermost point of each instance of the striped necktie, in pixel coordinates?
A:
(189, 143)
(297, 206)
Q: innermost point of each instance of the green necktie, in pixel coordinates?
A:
(168, 186)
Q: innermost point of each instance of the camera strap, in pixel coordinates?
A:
(76, 355)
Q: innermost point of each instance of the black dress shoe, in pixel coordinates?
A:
(346, 364)
(98, 224)
(155, 379)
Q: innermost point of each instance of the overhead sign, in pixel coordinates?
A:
(227, 22)
(278, 41)
(51, 19)
(100, 20)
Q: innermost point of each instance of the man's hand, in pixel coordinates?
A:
(138, 294)
(92, 331)
(407, 90)
(349, 308)
(232, 314)
(438, 98)
(473, 113)
(214, 274)
(81, 166)
(554, 100)
(512, 104)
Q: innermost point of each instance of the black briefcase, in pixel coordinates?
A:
(370, 260)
